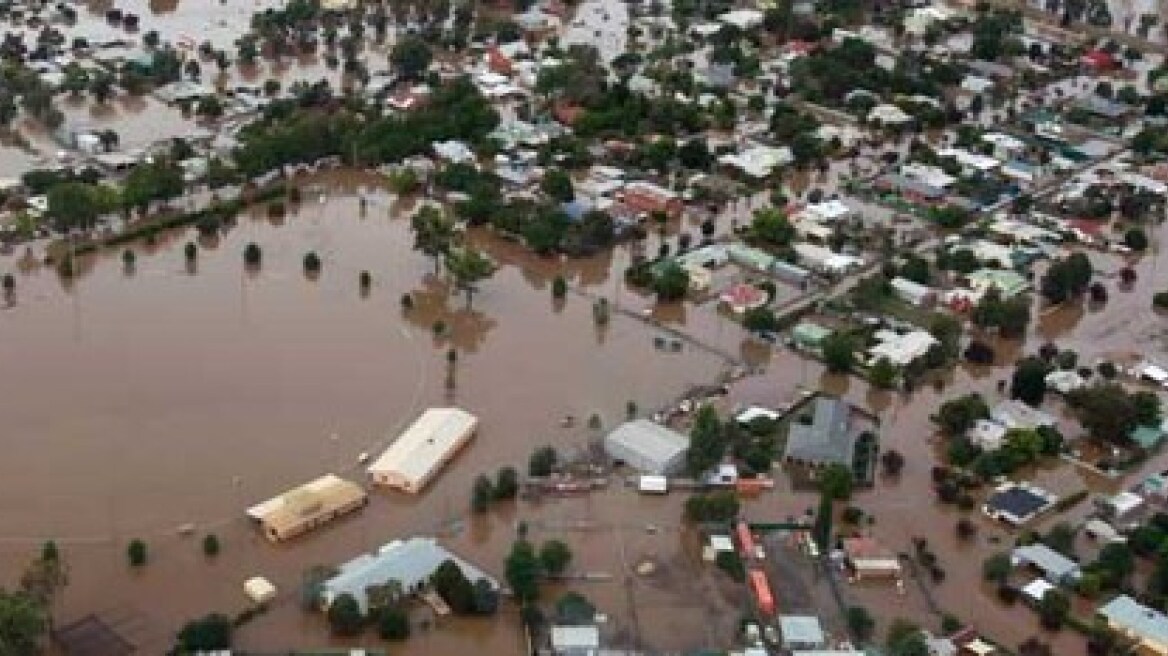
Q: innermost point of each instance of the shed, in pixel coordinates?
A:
(801, 632)
(649, 484)
(869, 559)
(575, 640)
(810, 336)
(914, 293)
(428, 444)
(1036, 590)
(259, 590)
(647, 446)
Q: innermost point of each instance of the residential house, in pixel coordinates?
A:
(901, 349)
(405, 564)
(1056, 568)
(827, 437)
(1147, 626)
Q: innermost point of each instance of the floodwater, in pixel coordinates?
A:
(151, 398)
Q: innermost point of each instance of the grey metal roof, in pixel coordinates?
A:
(828, 439)
(801, 631)
(1055, 566)
(1137, 619)
(647, 446)
(409, 562)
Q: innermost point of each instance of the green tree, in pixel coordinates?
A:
(22, 624)
(1067, 278)
(522, 572)
(760, 319)
(557, 184)
(78, 204)
(554, 557)
(860, 623)
(456, 590)
(957, 416)
(210, 545)
(671, 283)
(1107, 411)
(1136, 239)
(771, 227)
(883, 374)
(481, 494)
(161, 180)
(542, 462)
(136, 553)
(720, 506)
(839, 353)
(835, 482)
(906, 639)
(506, 483)
(76, 79)
(344, 616)
(1053, 609)
(411, 56)
(210, 633)
(1028, 384)
(997, 568)
(434, 233)
(394, 624)
(707, 441)
(468, 267)
(821, 531)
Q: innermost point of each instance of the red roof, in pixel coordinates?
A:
(1100, 59)
(566, 113)
(498, 62)
(799, 47)
(1087, 226)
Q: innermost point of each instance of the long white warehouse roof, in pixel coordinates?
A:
(424, 447)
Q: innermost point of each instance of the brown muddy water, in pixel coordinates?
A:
(142, 400)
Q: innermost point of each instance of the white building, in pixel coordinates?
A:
(418, 453)
(901, 349)
(647, 446)
(825, 260)
(406, 564)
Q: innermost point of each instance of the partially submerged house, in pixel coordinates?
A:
(827, 439)
(405, 565)
(418, 453)
(647, 446)
(306, 507)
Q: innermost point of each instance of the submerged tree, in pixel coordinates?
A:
(468, 267)
(434, 233)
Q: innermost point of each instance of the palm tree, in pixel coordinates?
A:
(467, 267)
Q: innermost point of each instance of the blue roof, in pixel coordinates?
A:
(576, 209)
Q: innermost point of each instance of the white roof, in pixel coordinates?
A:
(647, 446)
(259, 589)
(743, 19)
(901, 349)
(721, 543)
(651, 483)
(970, 159)
(575, 638)
(1125, 502)
(757, 412)
(829, 210)
(758, 161)
(425, 444)
(1037, 589)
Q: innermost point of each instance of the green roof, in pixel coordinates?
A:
(1008, 283)
(1147, 436)
(810, 333)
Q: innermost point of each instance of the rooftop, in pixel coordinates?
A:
(828, 439)
(1137, 619)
